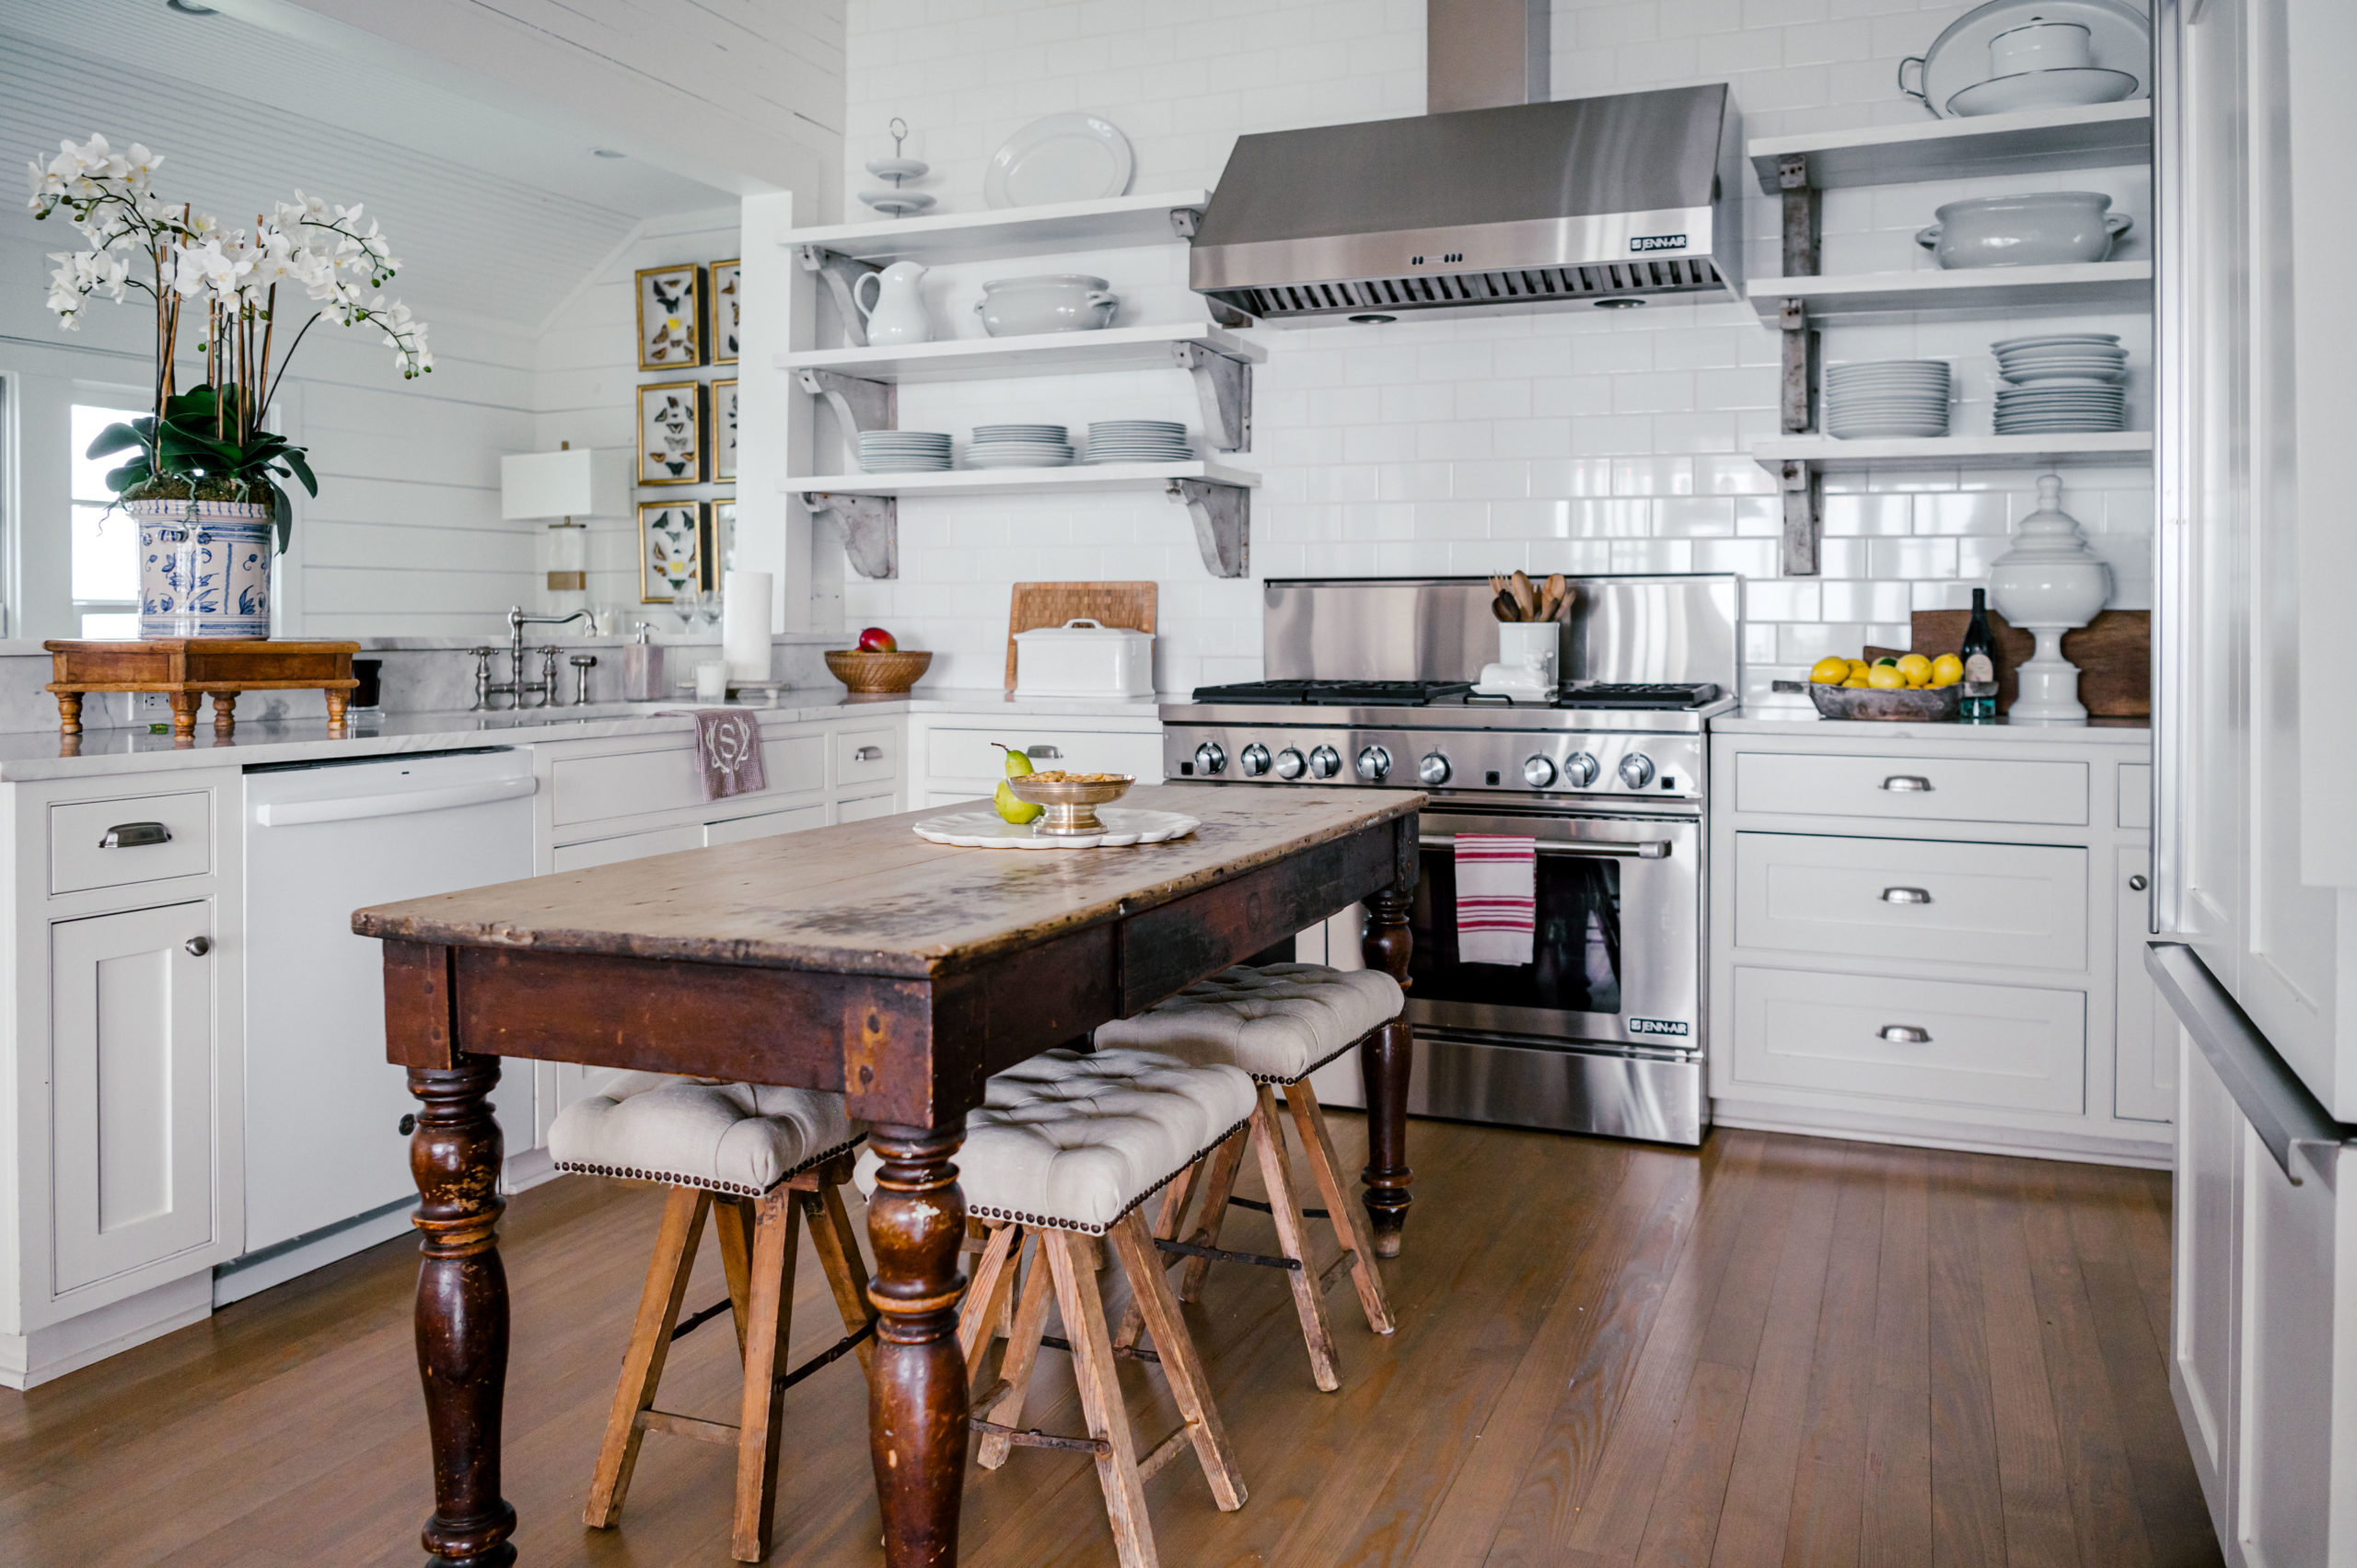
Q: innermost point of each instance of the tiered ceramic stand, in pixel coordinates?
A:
(1804, 300)
(861, 384)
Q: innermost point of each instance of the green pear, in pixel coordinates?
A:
(1017, 763)
(1014, 810)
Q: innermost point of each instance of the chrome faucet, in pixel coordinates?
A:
(546, 689)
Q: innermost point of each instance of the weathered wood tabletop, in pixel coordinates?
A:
(862, 958)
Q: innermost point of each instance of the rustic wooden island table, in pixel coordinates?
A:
(862, 958)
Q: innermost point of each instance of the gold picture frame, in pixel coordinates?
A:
(672, 427)
(722, 428)
(674, 549)
(672, 316)
(725, 280)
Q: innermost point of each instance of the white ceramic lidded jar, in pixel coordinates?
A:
(1083, 658)
(2049, 583)
(1052, 302)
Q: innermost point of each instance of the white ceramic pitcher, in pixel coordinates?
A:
(896, 314)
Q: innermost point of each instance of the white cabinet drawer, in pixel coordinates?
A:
(628, 783)
(767, 825)
(2023, 905)
(1913, 789)
(864, 755)
(2009, 1047)
(969, 754)
(863, 810)
(627, 846)
(108, 843)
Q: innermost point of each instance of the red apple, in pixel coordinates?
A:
(876, 640)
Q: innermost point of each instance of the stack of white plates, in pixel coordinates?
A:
(2060, 404)
(2063, 356)
(1019, 447)
(1139, 441)
(1887, 398)
(903, 451)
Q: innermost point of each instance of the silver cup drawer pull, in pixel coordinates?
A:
(1904, 1034)
(868, 754)
(1905, 895)
(135, 835)
(1908, 784)
(1037, 751)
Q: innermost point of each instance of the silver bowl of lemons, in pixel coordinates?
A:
(1905, 689)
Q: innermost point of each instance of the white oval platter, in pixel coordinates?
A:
(988, 830)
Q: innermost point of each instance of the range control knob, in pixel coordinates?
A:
(1254, 758)
(1208, 758)
(1325, 762)
(1290, 763)
(1539, 773)
(1374, 763)
(1432, 770)
(1636, 770)
(1579, 770)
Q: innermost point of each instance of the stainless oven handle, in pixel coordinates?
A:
(1656, 849)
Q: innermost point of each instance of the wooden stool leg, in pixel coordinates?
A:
(184, 705)
(732, 1222)
(225, 711)
(69, 712)
(1318, 1147)
(1181, 1367)
(1216, 1192)
(769, 1319)
(837, 1244)
(980, 1308)
(1022, 1351)
(650, 1342)
(1292, 1239)
(1165, 1228)
(1069, 1260)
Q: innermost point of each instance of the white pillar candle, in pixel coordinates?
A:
(745, 625)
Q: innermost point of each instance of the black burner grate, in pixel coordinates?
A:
(1657, 694)
(1336, 694)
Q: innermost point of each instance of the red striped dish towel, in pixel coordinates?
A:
(1497, 881)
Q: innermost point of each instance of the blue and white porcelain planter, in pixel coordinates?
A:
(204, 568)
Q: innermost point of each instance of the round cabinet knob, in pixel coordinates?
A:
(1374, 762)
(1636, 770)
(2138, 883)
(1432, 770)
(197, 946)
(1290, 763)
(1254, 758)
(1539, 773)
(1208, 758)
(1325, 762)
(1579, 770)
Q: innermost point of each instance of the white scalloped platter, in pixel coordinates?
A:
(987, 830)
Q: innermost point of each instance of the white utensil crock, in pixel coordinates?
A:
(1530, 655)
(896, 316)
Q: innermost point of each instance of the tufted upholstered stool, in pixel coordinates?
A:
(1066, 1147)
(757, 1161)
(1279, 1023)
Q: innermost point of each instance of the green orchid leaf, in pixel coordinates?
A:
(282, 516)
(121, 437)
(293, 457)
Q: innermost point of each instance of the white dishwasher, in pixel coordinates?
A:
(323, 1106)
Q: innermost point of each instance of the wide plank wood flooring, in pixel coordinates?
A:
(1776, 1351)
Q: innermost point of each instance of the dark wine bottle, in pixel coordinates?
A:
(1979, 657)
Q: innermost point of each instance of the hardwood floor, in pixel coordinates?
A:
(1777, 1351)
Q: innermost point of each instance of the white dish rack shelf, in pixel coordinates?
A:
(1804, 300)
(861, 383)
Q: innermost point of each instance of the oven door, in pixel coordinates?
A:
(1616, 949)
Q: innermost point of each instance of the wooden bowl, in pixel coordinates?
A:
(876, 675)
(1919, 704)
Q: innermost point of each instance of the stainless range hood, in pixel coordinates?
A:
(1624, 197)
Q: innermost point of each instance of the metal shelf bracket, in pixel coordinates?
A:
(871, 526)
(1222, 517)
(840, 271)
(1224, 386)
(859, 403)
(1803, 490)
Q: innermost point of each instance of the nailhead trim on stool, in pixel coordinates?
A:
(1278, 1022)
(742, 1139)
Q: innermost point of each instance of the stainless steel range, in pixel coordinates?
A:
(1370, 685)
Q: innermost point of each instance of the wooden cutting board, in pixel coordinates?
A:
(1034, 605)
(2114, 653)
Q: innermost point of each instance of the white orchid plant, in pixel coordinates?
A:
(207, 442)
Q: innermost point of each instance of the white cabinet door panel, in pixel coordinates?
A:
(2283, 1501)
(631, 783)
(2145, 1069)
(2206, 1271)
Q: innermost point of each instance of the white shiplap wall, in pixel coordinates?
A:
(1572, 440)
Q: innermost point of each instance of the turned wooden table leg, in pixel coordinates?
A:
(337, 703)
(184, 706)
(917, 1396)
(1384, 1064)
(225, 711)
(461, 1311)
(69, 712)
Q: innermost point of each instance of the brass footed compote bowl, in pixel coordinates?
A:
(1072, 801)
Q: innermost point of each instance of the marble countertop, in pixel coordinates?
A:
(39, 754)
(1805, 720)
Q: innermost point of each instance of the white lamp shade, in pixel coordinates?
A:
(582, 483)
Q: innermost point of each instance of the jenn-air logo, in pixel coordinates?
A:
(1657, 1026)
(1657, 242)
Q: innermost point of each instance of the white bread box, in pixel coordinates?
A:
(1083, 658)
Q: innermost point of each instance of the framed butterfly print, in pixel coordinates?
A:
(724, 431)
(672, 314)
(674, 549)
(671, 432)
(723, 276)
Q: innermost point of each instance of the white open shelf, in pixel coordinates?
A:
(2030, 141)
(991, 481)
(1042, 353)
(1836, 455)
(1116, 222)
(1966, 291)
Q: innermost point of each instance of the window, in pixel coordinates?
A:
(105, 564)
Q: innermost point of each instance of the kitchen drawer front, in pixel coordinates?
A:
(1913, 789)
(2022, 905)
(1999, 1047)
(969, 754)
(865, 808)
(79, 860)
(863, 756)
(592, 789)
(627, 846)
(767, 825)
